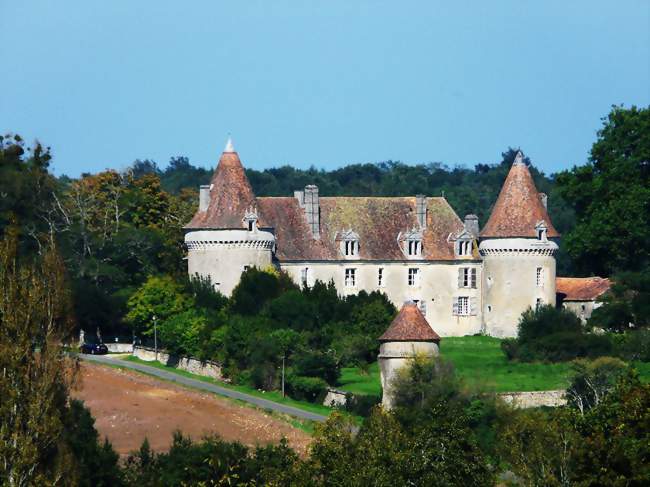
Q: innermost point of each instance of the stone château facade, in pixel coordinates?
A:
(417, 249)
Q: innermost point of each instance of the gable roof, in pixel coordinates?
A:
(377, 221)
(231, 195)
(409, 325)
(518, 208)
(581, 288)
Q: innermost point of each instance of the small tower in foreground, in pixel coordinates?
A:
(407, 336)
(226, 236)
(518, 253)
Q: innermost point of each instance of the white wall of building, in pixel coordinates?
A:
(510, 281)
(222, 255)
(437, 287)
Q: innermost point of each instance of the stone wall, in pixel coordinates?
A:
(334, 398)
(188, 364)
(119, 347)
(535, 399)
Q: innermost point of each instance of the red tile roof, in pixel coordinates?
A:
(377, 221)
(581, 288)
(231, 196)
(409, 326)
(518, 208)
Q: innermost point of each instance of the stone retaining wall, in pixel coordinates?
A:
(534, 399)
(188, 364)
(119, 347)
(334, 398)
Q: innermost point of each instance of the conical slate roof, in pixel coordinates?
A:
(409, 326)
(231, 195)
(518, 209)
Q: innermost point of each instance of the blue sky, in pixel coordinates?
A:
(322, 83)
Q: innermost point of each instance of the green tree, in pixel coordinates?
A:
(611, 196)
(161, 297)
(35, 317)
(591, 381)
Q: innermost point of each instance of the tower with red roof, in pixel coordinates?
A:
(408, 336)
(518, 252)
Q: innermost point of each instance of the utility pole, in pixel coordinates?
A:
(155, 337)
(282, 375)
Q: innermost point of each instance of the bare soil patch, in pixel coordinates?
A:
(128, 407)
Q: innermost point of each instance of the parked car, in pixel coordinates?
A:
(94, 348)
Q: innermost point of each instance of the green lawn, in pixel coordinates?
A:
(480, 362)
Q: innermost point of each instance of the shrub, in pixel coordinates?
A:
(314, 363)
(635, 346)
(312, 389)
(555, 335)
(361, 404)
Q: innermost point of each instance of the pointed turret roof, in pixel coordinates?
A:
(409, 325)
(518, 209)
(231, 194)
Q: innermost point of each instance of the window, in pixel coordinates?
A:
(539, 277)
(467, 277)
(465, 247)
(351, 247)
(414, 277)
(380, 277)
(350, 277)
(414, 247)
(246, 268)
(304, 277)
(251, 225)
(539, 303)
(462, 306)
(489, 308)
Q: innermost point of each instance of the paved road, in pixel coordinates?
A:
(205, 386)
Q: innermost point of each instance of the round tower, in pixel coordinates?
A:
(518, 254)
(408, 336)
(226, 236)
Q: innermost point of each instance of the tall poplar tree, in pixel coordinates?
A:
(35, 375)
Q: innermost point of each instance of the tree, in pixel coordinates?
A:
(554, 334)
(591, 381)
(161, 297)
(611, 196)
(35, 318)
(626, 305)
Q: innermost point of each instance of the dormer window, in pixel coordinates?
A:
(541, 229)
(349, 244)
(411, 243)
(250, 220)
(464, 248)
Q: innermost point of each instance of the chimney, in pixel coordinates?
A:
(471, 224)
(421, 209)
(543, 197)
(204, 197)
(312, 209)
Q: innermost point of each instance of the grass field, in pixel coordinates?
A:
(481, 364)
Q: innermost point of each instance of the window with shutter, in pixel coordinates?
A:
(473, 283)
(454, 307)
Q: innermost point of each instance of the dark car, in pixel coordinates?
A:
(94, 348)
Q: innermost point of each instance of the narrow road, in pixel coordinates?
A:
(205, 386)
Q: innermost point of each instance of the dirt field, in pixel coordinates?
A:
(128, 406)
